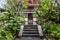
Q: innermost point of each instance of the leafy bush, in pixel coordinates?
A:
(3, 17)
(49, 11)
(11, 25)
(14, 24)
(49, 18)
(5, 35)
(52, 30)
(12, 20)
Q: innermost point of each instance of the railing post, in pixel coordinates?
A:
(21, 31)
(40, 31)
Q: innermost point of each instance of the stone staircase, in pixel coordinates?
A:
(30, 31)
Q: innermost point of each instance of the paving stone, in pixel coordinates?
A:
(30, 38)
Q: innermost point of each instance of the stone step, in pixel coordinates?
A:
(30, 35)
(29, 38)
(30, 29)
(30, 32)
(30, 25)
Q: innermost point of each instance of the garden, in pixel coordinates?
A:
(48, 15)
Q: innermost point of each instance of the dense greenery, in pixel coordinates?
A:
(49, 18)
(10, 21)
(52, 30)
(5, 35)
(10, 25)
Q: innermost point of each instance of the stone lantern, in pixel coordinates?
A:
(58, 2)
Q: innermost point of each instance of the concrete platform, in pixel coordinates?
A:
(30, 38)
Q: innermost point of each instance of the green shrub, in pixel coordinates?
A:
(52, 29)
(11, 25)
(5, 35)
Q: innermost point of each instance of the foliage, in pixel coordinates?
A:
(49, 18)
(49, 13)
(14, 7)
(11, 25)
(12, 19)
(14, 24)
(5, 35)
(52, 29)
(3, 17)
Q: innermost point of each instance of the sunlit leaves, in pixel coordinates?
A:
(52, 29)
(5, 35)
(12, 20)
(46, 4)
